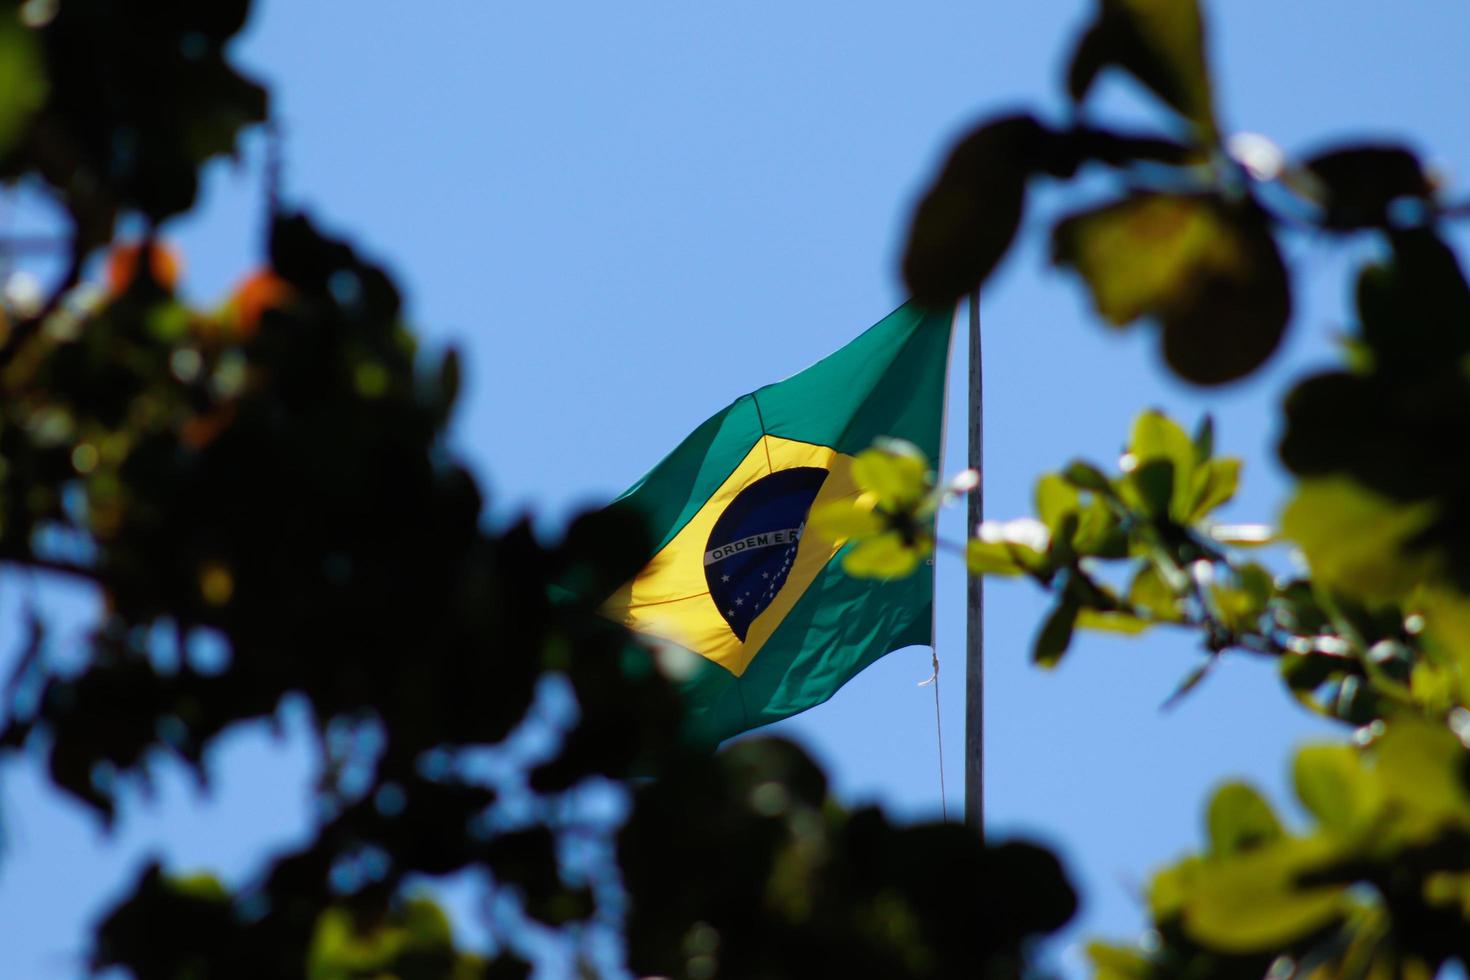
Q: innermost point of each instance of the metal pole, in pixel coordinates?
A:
(975, 596)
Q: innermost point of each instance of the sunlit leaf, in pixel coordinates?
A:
(1118, 963)
(885, 556)
(1085, 476)
(1239, 819)
(1356, 541)
(898, 479)
(1171, 887)
(1332, 784)
(1152, 486)
(1156, 436)
(842, 519)
(1112, 622)
(1055, 497)
(1421, 767)
(1214, 484)
(1207, 271)
(999, 558)
(1254, 902)
(1099, 532)
(1149, 591)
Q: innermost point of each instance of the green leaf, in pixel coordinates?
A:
(23, 85)
(999, 558)
(1421, 768)
(899, 479)
(1252, 902)
(1055, 498)
(1239, 819)
(965, 223)
(1160, 43)
(1153, 486)
(1099, 532)
(1118, 963)
(1056, 633)
(885, 556)
(1112, 622)
(1085, 476)
(1192, 680)
(1357, 542)
(1149, 591)
(1204, 439)
(1241, 604)
(1332, 785)
(1156, 436)
(1171, 887)
(842, 519)
(1209, 272)
(1214, 484)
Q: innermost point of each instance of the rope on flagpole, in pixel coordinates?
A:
(938, 730)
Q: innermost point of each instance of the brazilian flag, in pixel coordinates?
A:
(776, 624)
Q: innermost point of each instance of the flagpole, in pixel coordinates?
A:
(975, 599)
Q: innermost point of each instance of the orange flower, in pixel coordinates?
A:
(164, 264)
(260, 291)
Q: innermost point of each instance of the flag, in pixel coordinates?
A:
(773, 622)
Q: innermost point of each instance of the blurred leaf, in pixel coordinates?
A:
(999, 558)
(1156, 436)
(1239, 820)
(1152, 483)
(1252, 902)
(23, 85)
(412, 940)
(1055, 498)
(1170, 888)
(1056, 633)
(1100, 532)
(130, 128)
(1085, 476)
(1422, 767)
(1158, 42)
(1209, 272)
(1149, 591)
(1214, 484)
(1113, 148)
(1331, 784)
(1356, 541)
(898, 479)
(843, 519)
(1241, 605)
(1118, 963)
(1192, 680)
(1204, 439)
(1361, 182)
(965, 223)
(885, 556)
(1112, 622)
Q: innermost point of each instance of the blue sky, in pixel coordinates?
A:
(627, 215)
